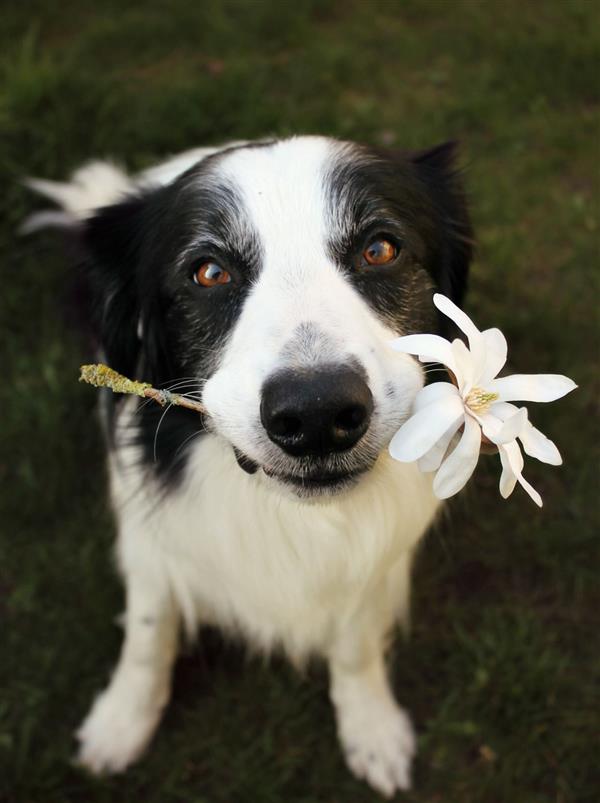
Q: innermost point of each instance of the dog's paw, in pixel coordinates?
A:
(116, 732)
(378, 743)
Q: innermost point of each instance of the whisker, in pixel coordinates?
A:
(156, 433)
(177, 379)
(208, 349)
(187, 440)
(195, 395)
(190, 382)
(178, 387)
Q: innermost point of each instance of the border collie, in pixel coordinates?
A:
(266, 279)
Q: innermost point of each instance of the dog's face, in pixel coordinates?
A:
(271, 277)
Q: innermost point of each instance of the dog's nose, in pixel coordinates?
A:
(316, 412)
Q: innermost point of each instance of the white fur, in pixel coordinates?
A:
(100, 183)
(92, 186)
(328, 576)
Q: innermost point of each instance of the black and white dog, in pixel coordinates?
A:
(266, 279)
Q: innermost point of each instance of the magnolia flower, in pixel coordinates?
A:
(479, 402)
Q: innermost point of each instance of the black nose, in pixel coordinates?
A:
(316, 412)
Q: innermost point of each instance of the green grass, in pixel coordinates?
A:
(502, 670)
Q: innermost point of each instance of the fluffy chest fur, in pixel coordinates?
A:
(238, 553)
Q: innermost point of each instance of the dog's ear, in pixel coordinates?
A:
(437, 169)
(113, 243)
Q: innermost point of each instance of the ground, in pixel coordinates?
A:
(501, 670)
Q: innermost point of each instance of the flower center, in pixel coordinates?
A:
(479, 400)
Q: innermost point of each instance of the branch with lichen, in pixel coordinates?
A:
(101, 376)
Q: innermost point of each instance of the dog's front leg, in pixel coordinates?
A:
(375, 733)
(124, 717)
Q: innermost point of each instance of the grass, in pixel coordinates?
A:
(502, 670)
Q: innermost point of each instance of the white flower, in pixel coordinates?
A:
(481, 402)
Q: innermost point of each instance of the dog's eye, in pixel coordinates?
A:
(209, 274)
(380, 252)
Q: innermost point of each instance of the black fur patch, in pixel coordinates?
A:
(142, 254)
(416, 201)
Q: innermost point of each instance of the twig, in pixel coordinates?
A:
(101, 376)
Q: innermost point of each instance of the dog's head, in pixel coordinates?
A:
(270, 278)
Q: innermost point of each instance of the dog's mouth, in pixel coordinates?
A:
(245, 463)
(315, 482)
(309, 482)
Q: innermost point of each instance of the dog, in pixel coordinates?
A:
(266, 279)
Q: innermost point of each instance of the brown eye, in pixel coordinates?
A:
(380, 252)
(209, 274)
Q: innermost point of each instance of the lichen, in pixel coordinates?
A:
(101, 376)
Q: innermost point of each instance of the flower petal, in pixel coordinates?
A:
(514, 457)
(429, 348)
(515, 460)
(433, 393)
(503, 410)
(464, 367)
(423, 429)
(508, 478)
(466, 325)
(512, 426)
(528, 488)
(532, 387)
(458, 467)
(537, 445)
(503, 422)
(496, 351)
(431, 460)
(460, 318)
(489, 423)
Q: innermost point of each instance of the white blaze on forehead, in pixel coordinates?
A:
(285, 196)
(282, 187)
